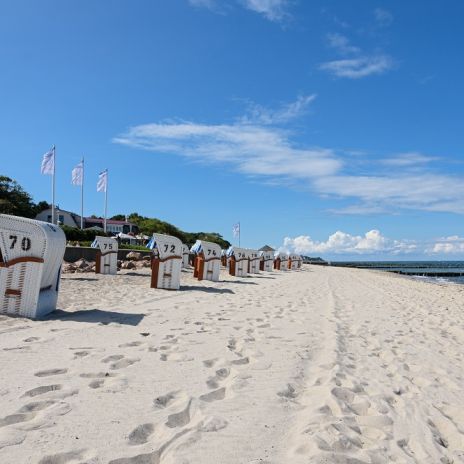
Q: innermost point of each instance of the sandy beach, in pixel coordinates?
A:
(322, 365)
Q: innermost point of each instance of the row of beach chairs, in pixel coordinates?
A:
(31, 255)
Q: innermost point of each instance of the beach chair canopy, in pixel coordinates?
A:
(166, 246)
(238, 253)
(105, 244)
(209, 249)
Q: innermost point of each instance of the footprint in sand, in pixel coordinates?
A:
(241, 361)
(215, 395)
(63, 458)
(141, 434)
(122, 363)
(113, 357)
(16, 419)
(130, 344)
(11, 437)
(210, 362)
(212, 424)
(42, 390)
(170, 399)
(181, 418)
(50, 372)
(36, 406)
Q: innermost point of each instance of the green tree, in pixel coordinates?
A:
(14, 200)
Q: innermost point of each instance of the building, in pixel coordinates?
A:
(63, 217)
(67, 218)
(266, 248)
(112, 226)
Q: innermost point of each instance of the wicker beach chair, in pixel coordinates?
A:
(106, 261)
(253, 261)
(31, 255)
(237, 260)
(207, 260)
(166, 263)
(266, 261)
(281, 261)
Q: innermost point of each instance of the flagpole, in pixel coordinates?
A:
(53, 186)
(82, 196)
(106, 201)
(239, 232)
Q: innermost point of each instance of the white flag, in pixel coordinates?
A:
(236, 229)
(102, 181)
(78, 174)
(48, 162)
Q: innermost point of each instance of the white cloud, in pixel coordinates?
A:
(372, 242)
(255, 146)
(252, 149)
(383, 17)
(266, 116)
(356, 68)
(409, 159)
(423, 191)
(274, 10)
(448, 245)
(342, 44)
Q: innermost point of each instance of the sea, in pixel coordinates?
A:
(433, 271)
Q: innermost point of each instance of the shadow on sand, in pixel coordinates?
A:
(206, 289)
(239, 281)
(96, 316)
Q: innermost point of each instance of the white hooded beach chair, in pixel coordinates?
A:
(31, 255)
(281, 261)
(253, 261)
(266, 261)
(166, 263)
(106, 261)
(293, 261)
(237, 260)
(185, 256)
(207, 260)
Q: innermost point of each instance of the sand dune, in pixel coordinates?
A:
(323, 365)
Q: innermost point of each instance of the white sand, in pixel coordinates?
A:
(325, 365)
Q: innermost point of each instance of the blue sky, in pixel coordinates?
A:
(331, 127)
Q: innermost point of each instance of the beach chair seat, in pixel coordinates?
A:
(237, 261)
(207, 262)
(31, 255)
(167, 261)
(106, 261)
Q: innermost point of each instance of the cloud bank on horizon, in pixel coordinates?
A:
(371, 243)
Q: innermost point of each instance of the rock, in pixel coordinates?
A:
(81, 264)
(134, 256)
(68, 268)
(128, 265)
(146, 258)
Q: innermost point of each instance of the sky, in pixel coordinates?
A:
(329, 128)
